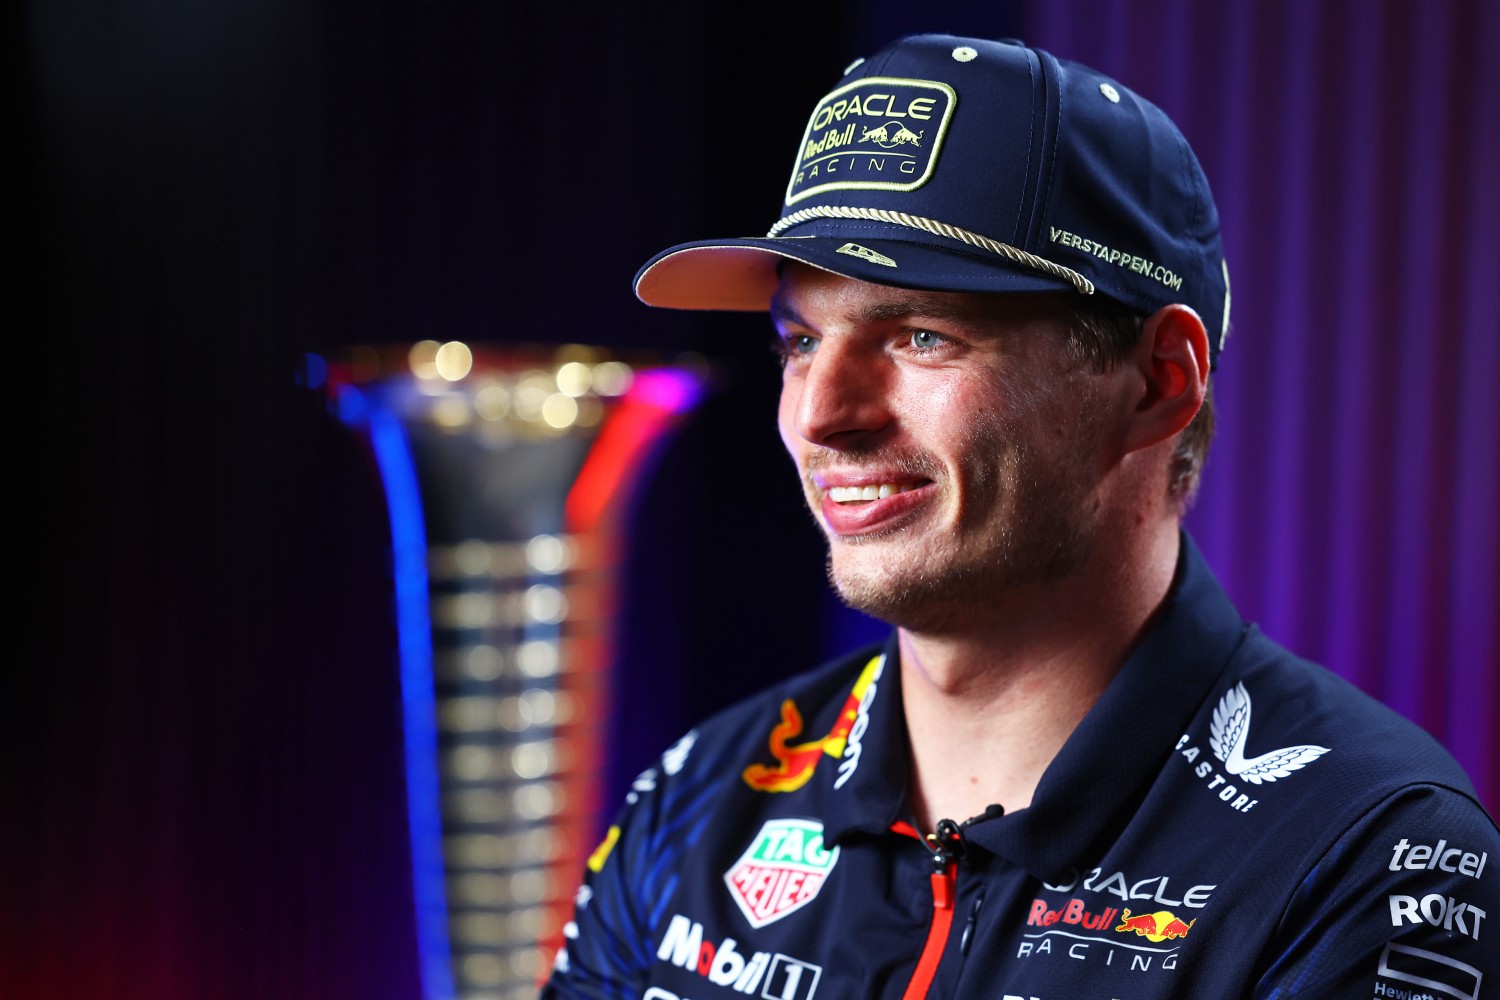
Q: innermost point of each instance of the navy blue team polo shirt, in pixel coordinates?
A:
(1227, 821)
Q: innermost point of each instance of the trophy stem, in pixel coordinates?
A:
(505, 489)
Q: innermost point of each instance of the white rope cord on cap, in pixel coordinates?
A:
(1005, 250)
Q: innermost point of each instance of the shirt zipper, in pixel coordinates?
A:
(946, 847)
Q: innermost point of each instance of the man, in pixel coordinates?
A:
(999, 291)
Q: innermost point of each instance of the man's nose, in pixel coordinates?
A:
(843, 396)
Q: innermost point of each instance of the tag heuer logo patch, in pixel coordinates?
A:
(781, 871)
(881, 133)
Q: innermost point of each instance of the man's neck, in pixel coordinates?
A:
(988, 707)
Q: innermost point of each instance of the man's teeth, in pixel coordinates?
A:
(854, 494)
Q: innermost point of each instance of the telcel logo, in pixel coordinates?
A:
(1419, 857)
(779, 976)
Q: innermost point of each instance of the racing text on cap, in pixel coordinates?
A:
(879, 133)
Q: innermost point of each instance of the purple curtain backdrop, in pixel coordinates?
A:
(1352, 500)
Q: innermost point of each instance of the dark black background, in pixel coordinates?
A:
(202, 750)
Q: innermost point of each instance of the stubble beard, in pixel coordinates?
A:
(1025, 520)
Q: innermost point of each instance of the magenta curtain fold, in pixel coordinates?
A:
(1352, 498)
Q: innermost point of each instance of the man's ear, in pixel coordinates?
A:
(1172, 364)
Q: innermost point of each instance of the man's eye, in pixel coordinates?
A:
(925, 340)
(796, 345)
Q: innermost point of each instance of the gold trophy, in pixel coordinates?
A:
(505, 472)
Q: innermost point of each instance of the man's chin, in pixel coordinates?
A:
(908, 597)
(943, 588)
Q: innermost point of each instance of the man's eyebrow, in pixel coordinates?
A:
(946, 307)
(886, 311)
(881, 312)
(782, 311)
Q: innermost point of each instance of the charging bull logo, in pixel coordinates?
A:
(795, 763)
(1163, 925)
(890, 135)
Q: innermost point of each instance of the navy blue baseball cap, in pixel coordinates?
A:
(966, 165)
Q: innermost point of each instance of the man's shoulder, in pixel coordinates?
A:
(1270, 718)
(1274, 713)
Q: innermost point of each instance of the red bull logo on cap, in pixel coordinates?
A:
(1163, 925)
(781, 871)
(795, 763)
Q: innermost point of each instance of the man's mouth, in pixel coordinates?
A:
(859, 494)
(870, 507)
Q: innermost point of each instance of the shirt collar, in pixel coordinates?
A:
(1106, 765)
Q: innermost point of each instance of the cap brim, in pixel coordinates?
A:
(740, 274)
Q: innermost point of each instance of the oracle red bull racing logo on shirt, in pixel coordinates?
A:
(1121, 945)
(1083, 929)
(781, 871)
(1163, 925)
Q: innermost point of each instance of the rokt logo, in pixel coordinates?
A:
(779, 977)
(1439, 911)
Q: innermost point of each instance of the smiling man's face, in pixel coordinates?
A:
(949, 444)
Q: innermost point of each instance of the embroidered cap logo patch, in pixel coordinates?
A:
(781, 871)
(881, 133)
